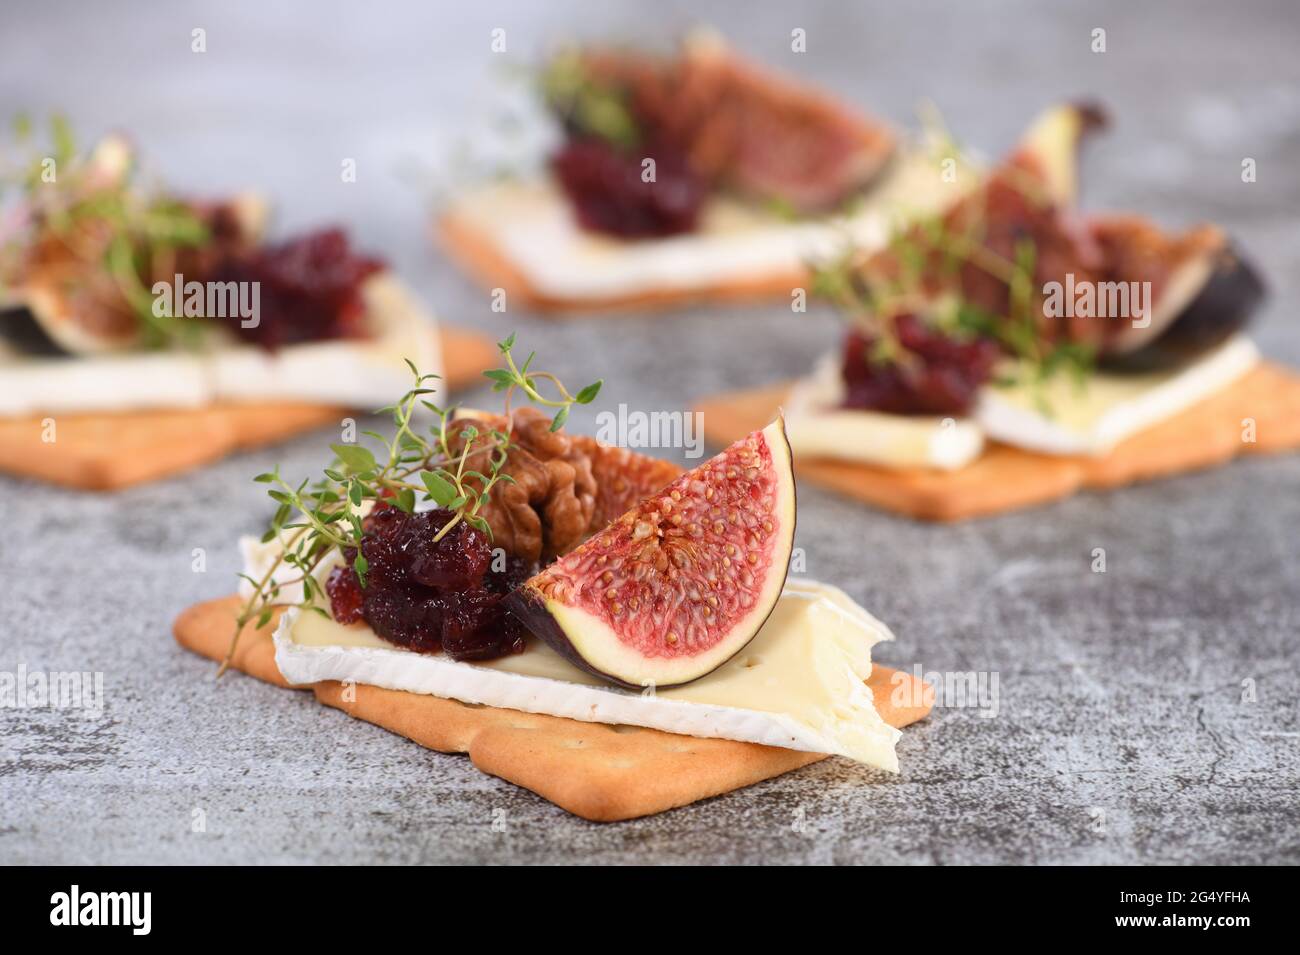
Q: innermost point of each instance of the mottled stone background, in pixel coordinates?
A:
(1121, 735)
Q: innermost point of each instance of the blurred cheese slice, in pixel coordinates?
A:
(363, 374)
(532, 225)
(359, 374)
(1068, 417)
(800, 684)
(819, 428)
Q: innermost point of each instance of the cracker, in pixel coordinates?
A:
(1004, 478)
(206, 629)
(107, 451)
(476, 254)
(600, 772)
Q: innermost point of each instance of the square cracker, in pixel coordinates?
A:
(98, 452)
(600, 772)
(1004, 478)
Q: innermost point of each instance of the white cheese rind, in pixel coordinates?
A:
(788, 709)
(1111, 407)
(818, 427)
(103, 383)
(357, 374)
(439, 676)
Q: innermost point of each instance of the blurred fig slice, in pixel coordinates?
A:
(1051, 148)
(680, 583)
(770, 137)
(77, 304)
(1202, 292)
(746, 128)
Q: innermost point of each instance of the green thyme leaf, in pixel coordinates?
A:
(442, 491)
(357, 459)
(561, 416)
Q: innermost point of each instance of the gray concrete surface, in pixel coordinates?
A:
(1148, 714)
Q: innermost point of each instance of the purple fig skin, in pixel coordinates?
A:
(1223, 306)
(529, 607)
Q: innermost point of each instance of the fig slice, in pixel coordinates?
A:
(1203, 292)
(681, 582)
(1050, 148)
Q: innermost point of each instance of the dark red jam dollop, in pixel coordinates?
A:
(430, 595)
(309, 289)
(942, 379)
(605, 185)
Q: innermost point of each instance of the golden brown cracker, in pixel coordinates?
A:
(465, 356)
(600, 772)
(99, 452)
(490, 267)
(207, 628)
(1004, 478)
(106, 451)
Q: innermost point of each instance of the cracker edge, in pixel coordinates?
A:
(599, 772)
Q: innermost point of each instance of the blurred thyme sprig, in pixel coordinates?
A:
(432, 464)
(921, 272)
(585, 104)
(91, 211)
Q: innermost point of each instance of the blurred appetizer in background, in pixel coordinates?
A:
(495, 585)
(692, 176)
(1012, 349)
(142, 333)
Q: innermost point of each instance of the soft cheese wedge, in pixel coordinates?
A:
(819, 428)
(1064, 416)
(354, 373)
(800, 684)
(1061, 416)
(533, 226)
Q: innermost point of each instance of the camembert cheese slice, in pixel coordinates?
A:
(1068, 417)
(355, 373)
(800, 684)
(819, 428)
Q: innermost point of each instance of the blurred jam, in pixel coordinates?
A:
(941, 375)
(607, 188)
(310, 289)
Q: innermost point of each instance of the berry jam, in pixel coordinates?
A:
(604, 185)
(943, 380)
(345, 596)
(429, 595)
(309, 289)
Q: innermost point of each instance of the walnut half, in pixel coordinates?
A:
(566, 487)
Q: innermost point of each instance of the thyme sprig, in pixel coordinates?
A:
(92, 210)
(587, 104)
(437, 463)
(921, 272)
